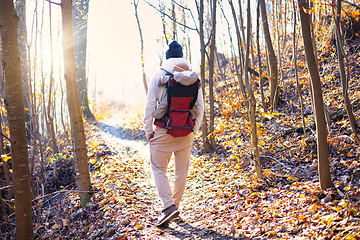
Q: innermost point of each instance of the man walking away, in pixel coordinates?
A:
(163, 145)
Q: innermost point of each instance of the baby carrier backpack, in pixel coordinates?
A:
(180, 100)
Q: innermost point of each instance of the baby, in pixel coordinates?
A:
(183, 75)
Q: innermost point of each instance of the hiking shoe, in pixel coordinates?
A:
(169, 214)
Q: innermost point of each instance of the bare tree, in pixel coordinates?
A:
(206, 143)
(173, 14)
(76, 122)
(211, 74)
(321, 131)
(344, 77)
(271, 58)
(252, 105)
(296, 72)
(14, 102)
(50, 106)
(261, 82)
(136, 3)
(241, 55)
(80, 22)
(162, 9)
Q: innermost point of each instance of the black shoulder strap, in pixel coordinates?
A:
(167, 72)
(195, 96)
(168, 86)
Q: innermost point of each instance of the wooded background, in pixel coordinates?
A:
(258, 60)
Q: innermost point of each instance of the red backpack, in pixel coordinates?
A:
(181, 99)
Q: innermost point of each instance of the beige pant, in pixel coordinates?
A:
(162, 145)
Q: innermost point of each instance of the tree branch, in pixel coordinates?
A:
(188, 9)
(171, 18)
(59, 4)
(6, 137)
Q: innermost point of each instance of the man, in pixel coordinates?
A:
(163, 145)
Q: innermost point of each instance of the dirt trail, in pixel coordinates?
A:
(131, 147)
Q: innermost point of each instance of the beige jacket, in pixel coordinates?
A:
(157, 92)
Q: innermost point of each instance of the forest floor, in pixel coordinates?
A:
(223, 199)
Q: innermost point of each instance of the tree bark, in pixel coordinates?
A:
(173, 15)
(344, 77)
(76, 122)
(321, 131)
(22, 36)
(272, 61)
(141, 47)
(206, 143)
(51, 104)
(252, 105)
(14, 101)
(261, 83)
(162, 8)
(80, 21)
(211, 76)
(296, 73)
(239, 41)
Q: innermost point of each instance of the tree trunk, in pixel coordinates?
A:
(296, 73)
(141, 47)
(344, 77)
(252, 105)
(80, 20)
(206, 143)
(211, 77)
(241, 20)
(76, 122)
(239, 72)
(321, 131)
(272, 61)
(173, 15)
(49, 116)
(278, 23)
(14, 101)
(261, 83)
(22, 37)
(162, 8)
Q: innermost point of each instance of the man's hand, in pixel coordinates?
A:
(149, 136)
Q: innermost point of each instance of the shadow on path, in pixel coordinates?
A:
(122, 133)
(184, 230)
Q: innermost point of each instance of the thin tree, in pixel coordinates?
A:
(241, 55)
(211, 75)
(14, 102)
(271, 58)
(296, 72)
(162, 9)
(241, 20)
(344, 77)
(261, 82)
(80, 23)
(173, 15)
(321, 131)
(278, 6)
(252, 105)
(206, 143)
(50, 106)
(76, 122)
(136, 3)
